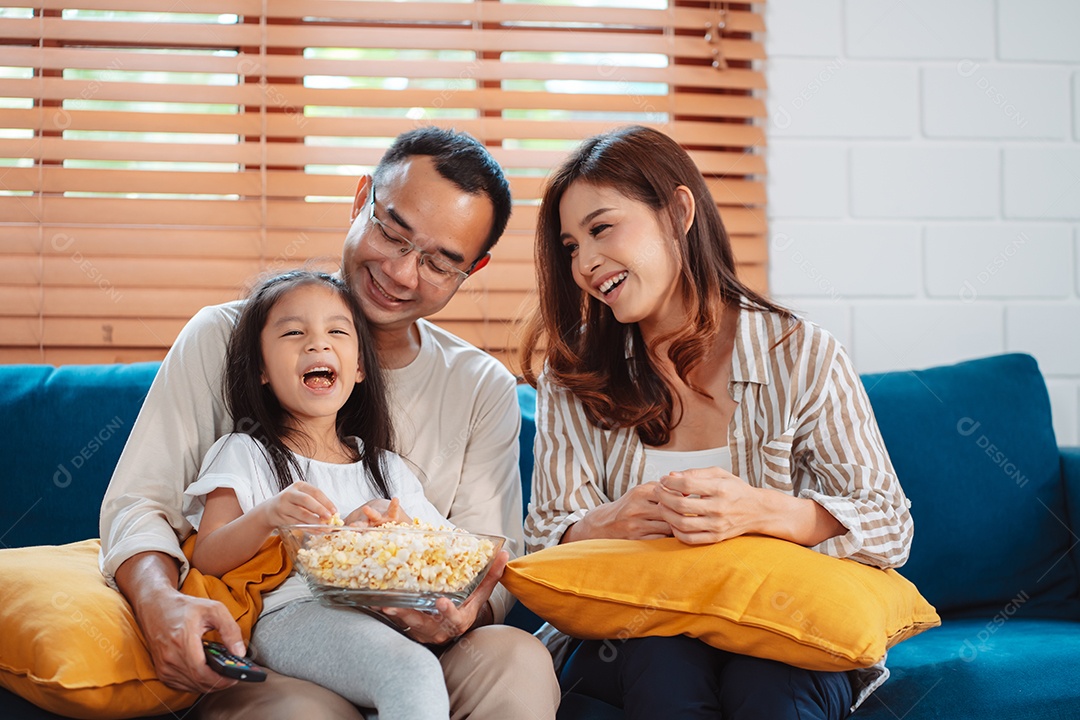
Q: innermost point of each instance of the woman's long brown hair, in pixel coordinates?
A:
(603, 362)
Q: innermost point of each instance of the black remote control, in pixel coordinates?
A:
(224, 662)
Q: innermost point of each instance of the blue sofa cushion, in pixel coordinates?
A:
(1005, 668)
(54, 480)
(974, 448)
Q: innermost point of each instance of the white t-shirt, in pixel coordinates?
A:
(659, 463)
(239, 462)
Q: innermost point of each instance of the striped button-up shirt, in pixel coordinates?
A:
(803, 426)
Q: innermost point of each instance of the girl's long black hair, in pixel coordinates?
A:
(257, 412)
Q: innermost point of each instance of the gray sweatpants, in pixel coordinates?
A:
(355, 655)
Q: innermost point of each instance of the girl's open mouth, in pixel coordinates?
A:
(320, 377)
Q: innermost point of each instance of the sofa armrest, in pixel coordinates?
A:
(1070, 475)
(1070, 463)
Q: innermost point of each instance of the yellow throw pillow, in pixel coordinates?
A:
(69, 643)
(751, 595)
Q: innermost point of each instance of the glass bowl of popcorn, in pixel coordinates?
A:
(392, 565)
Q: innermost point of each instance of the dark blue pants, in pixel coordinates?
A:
(680, 677)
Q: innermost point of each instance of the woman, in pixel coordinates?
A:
(675, 401)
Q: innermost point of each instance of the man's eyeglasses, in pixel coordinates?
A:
(392, 244)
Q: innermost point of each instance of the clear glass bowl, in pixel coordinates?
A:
(389, 566)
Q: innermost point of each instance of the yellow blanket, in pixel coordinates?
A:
(241, 590)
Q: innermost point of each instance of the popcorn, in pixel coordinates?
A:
(395, 556)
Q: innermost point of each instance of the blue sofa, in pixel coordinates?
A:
(996, 505)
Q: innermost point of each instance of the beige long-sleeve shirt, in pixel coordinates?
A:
(803, 426)
(455, 413)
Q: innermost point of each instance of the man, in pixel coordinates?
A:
(422, 224)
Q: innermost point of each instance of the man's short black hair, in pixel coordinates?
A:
(461, 159)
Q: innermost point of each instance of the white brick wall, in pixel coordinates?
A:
(1076, 105)
(987, 260)
(1043, 182)
(1043, 30)
(838, 98)
(919, 29)
(973, 100)
(891, 336)
(833, 261)
(905, 180)
(924, 180)
(790, 197)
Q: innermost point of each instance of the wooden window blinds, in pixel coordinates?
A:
(155, 157)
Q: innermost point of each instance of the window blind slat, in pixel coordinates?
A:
(177, 304)
(291, 36)
(25, 29)
(21, 270)
(300, 184)
(117, 331)
(55, 120)
(20, 301)
(59, 89)
(495, 99)
(209, 7)
(160, 34)
(85, 269)
(166, 242)
(296, 66)
(61, 355)
(59, 180)
(54, 149)
(19, 209)
(489, 12)
(700, 133)
(110, 211)
(115, 59)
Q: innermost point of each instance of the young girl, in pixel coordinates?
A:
(311, 435)
(675, 401)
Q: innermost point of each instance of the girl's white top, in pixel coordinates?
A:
(237, 461)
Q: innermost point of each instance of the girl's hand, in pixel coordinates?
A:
(378, 512)
(635, 516)
(299, 504)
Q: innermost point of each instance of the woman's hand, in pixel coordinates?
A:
(707, 505)
(298, 504)
(635, 516)
(449, 622)
(378, 512)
